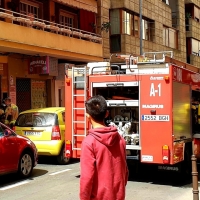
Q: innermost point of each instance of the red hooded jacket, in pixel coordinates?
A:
(104, 170)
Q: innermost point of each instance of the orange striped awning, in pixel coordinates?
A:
(90, 5)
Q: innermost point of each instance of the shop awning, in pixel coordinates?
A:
(90, 5)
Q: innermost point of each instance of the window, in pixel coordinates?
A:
(68, 19)
(63, 116)
(30, 9)
(126, 23)
(166, 1)
(192, 11)
(115, 22)
(37, 120)
(170, 37)
(115, 43)
(146, 30)
(136, 26)
(196, 13)
(195, 47)
(165, 36)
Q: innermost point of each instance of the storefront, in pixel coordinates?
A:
(31, 81)
(3, 77)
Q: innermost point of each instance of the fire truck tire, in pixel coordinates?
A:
(186, 167)
(61, 157)
(133, 168)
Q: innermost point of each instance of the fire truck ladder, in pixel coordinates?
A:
(77, 81)
(158, 57)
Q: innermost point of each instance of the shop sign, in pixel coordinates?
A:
(43, 65)
(38, 65)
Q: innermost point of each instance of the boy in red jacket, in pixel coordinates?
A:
(104, 170)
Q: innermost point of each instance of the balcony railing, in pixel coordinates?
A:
(43, 25)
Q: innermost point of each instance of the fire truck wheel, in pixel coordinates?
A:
(186, 167)
(61, 157)
(133, 168)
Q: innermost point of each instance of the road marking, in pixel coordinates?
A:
(59, 172)
(14, 185)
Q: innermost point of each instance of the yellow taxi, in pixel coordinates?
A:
(46, 128)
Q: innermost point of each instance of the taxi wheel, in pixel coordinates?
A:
(61, 157)
(25, 164)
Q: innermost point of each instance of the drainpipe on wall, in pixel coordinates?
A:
(141, 27)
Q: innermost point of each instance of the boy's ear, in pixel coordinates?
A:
(87, 115)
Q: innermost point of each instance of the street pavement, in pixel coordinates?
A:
(61, 182)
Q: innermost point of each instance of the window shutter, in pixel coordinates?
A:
(196, 12)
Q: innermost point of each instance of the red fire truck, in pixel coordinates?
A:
(152, 100)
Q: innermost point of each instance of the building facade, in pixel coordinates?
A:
(167, 25)
(37, 38)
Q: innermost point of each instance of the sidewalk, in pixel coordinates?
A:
(151, 191)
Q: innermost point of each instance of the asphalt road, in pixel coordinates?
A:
(61, 182)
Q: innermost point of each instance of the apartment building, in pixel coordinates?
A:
(37, 39)
(167, 25)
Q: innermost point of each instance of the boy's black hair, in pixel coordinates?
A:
(96, 107)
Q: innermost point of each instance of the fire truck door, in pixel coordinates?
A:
(155, 117)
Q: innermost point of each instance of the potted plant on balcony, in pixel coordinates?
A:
(105, 26)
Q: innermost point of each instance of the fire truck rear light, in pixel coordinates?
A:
(68, 149)
(68, 142)
(67, 80)
(165, 147)
(167, 78)
(165, 154)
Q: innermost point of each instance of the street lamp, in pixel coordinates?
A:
(141, 27)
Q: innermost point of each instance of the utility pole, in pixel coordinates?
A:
(141, 28)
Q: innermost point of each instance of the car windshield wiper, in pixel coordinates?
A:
(28, 125)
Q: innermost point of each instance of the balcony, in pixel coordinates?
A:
(193, 29)
(196, 2)
(27, 35)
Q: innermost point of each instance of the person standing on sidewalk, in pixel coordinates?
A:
(11, 112)
(104, 171)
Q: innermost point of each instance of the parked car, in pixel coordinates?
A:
(46, 128)
(17, 154)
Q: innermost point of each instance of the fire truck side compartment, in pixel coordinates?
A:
(181, 111)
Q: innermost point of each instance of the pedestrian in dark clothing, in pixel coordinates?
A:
(104, 170)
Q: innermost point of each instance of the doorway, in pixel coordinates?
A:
(59, 94)
(23, 93)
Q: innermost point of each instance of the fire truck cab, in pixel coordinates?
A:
(153, 100)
